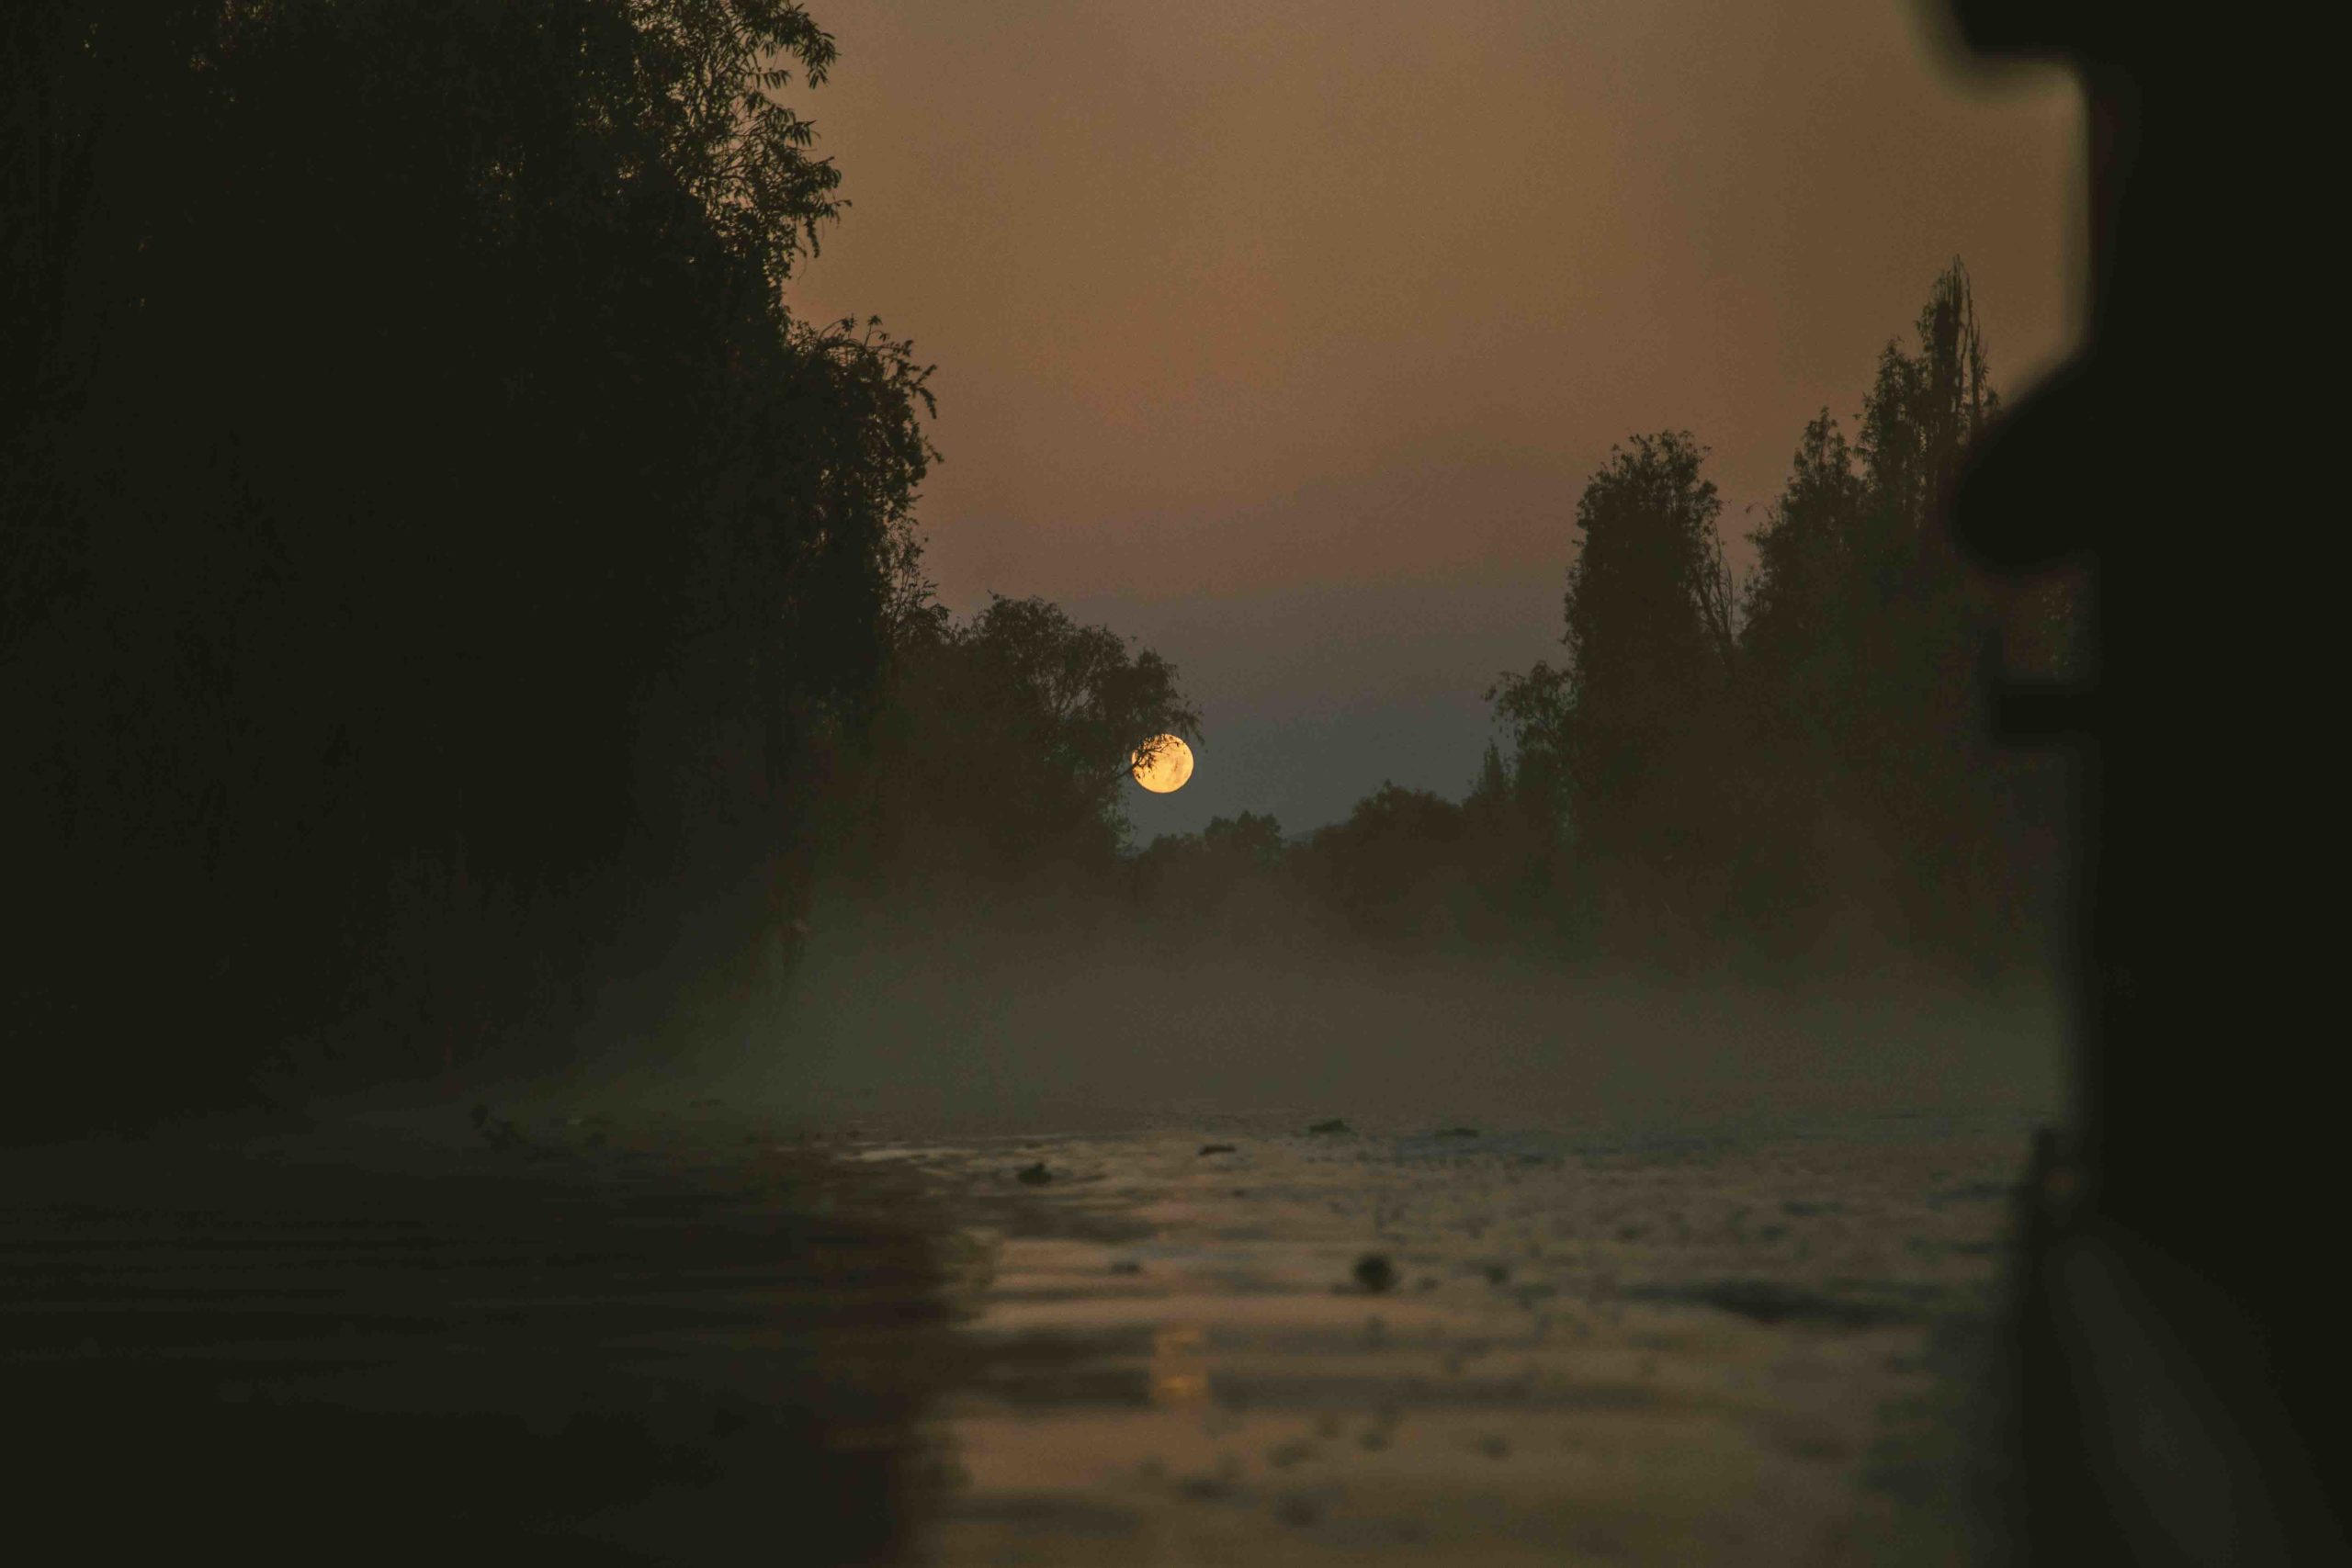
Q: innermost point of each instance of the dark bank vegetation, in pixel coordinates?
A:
(431, 553)
(440, 579)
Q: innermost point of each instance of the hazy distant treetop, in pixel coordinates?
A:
(1925, 407)
(1393, 811)
(1650, 572)
(1050, 713)
(1254, 836)
(1079, 695)
(1804, 547)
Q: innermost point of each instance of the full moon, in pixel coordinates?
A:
(1170, 765)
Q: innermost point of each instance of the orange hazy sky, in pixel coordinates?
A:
(1283, 335)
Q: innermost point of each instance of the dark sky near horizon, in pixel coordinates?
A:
(1282, 337)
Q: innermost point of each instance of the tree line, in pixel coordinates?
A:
(1794, 769)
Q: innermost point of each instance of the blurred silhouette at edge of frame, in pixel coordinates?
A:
(2177, 1364)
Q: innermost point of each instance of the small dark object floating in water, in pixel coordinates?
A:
(1034, 1174)
(1375, 1273)
(1214, 1149)
(1457, 1133)
(1334, 1125)
(1496, 1274)
(1127, 1265)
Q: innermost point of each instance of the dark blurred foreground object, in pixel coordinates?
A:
(2181, 1368)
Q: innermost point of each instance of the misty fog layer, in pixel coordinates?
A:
(991, 1019)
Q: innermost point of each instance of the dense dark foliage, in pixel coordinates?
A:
(997, 755)
(426, 536)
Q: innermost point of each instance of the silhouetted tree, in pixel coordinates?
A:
(1810, 854)
(1231, 883)
(1005, 746)
(1533, 708)
(1865, 643)
(1643, 700)
(1798, 628)
(1253, 840)
(1392, 871)
(426, 533)
(1513, 818)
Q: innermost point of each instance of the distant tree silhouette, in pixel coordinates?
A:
(1394, 870)
(1799, 623)
(1490, 802)
(1866, 639)
(1005, 746)
(1514, 817)
(1234, 882)
(1532, 707)
(1758, 765)
(1642, 702)
(1253, 838)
